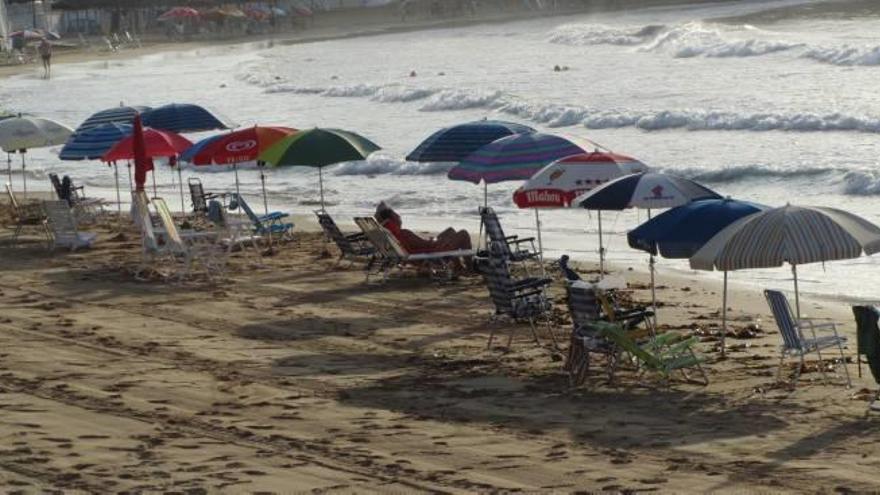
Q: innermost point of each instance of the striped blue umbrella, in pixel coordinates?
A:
(94, 142)
(682, 231)
(184, 117)
(453, 144)
(120, 115)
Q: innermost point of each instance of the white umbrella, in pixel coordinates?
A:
(24, 133)
(789, 234)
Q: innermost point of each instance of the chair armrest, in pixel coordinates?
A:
(531, 283)
(520, 241)
(275, 215)
(358, 236)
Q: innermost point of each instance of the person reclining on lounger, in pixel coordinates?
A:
(448, 240)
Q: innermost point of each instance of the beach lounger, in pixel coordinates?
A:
(263, 224)
(351, 246)
(795, 343)
(27, 215)
(520, 300)
(663, 354)
(235, 235)
(62, 224)
(512, 247)
(393, 254)
(204, 250)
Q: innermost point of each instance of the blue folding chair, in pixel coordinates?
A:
(263, 224)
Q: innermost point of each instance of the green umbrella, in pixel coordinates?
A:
(318, 148)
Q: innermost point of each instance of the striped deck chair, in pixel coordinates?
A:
(520, 300)
(394, 254)
(795, 343)
(351, 246)
(585, 308)
(27, 215)
(62, 224)
(512, 247)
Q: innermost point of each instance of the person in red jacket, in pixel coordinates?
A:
(448, 240)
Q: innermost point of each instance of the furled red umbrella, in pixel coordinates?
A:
(240, 146)
(145, 144)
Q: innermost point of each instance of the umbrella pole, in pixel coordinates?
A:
(601, 249)
(724, 315)
(9, 167)
(485, 194)
(23, 174)
(540, 243)
(797, 297)
(130, 182)
(321, 186)
(651, 263)
(180, 181)
(118, 195)
(155, 191)
(265, 198)
(237, 189)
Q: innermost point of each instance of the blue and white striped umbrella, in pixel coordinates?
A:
(454, 144)
(118, 115)
(649, 190)
(93, 143)
(184, 117)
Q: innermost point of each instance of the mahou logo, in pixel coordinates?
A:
(544, 197)
(237, 146)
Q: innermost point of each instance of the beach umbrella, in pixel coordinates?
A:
(180, 13)
(453, 144)
(156, 143)
(93, 143)
(240, 146)
(789, 234)
(649, 190)
(680, 232)
(22, 133)
(516, 157)
(184, 117)
(318, 148)
(118, 115)
(28, 35)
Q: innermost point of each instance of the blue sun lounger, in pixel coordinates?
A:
(263, 224)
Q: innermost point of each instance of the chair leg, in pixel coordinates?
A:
(799, 370)
(779, 369)
(843, 362)
(822, 366)
(552, 333)
(491, 336)
(534, 331)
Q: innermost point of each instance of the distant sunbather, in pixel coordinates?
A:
(448, 240)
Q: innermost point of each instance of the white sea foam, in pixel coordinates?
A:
(845, 55)
(861, 183)
(380, 164)
(696, 39)
(461, 99)
(597, 34)
(751, 172)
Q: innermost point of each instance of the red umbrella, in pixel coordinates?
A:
(144, 145)
(240, 146)
(180, 13)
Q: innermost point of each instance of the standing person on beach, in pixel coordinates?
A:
(45, 49)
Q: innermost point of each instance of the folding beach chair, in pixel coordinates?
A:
(198, 196)
(62, 224)
(263, 224)
(27, 215)
(202, 249)
(394, 254)
(794, 343)
(585, 309)
(86, 209)
(351, 246)
(512, 247)
(663, 354)
(235, 235)
(520, 300)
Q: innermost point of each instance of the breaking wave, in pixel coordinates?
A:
(697, 39)
(379, 164)
(750, 172)
(845, 55)
(861, 183)
(596, 34)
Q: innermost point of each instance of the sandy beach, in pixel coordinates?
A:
(294, 375)
(290, 373)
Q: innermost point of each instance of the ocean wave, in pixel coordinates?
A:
(459, 99)
(845, 55)
(738, 173)
(861, 183)
(597, 34)
(697, 39)
(380, 164)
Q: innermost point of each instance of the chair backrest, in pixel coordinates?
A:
(583, 304)
(173, 240)
(497, 240)
(377, 238)
(197, 195)
(140, 213)
(496, 273)
(248, 211)
(331, 230)
(788, 327)
(61, 221)
(56, 184)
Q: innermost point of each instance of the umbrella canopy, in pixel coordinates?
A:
(516, 157)
(22, 133)
(28, 35)
(93, 143)
(682, 231)
(647, 190)
(183, 117)
(453, 144)
(180, 13)
(789, 234)
(192, 151)
(119, 115)
(244, 145)
(156, 143)
(557, 184)
(319, 148)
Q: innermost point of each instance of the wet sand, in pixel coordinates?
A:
(292, 374)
